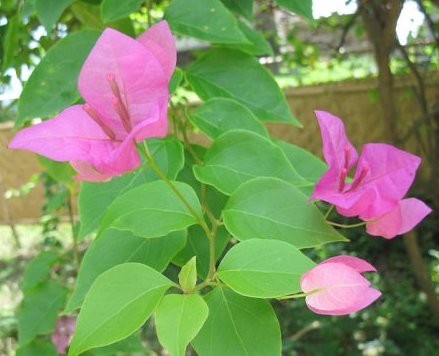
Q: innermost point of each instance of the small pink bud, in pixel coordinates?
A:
(336, 286)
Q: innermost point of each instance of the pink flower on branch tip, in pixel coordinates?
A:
(64, 328)
(125, 86)
(383, 176)
(336, 286)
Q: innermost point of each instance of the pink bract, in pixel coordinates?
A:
(337, 287)
(383, 176)
(403, 218)
(64, 328)
(125, 85)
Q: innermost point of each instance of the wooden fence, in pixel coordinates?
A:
(356, 101)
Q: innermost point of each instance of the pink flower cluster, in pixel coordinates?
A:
(376, 195)
(125, 86)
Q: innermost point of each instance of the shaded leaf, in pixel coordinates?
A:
(238, 325)
(233, 74)
(238, 156)
(152, 210)
(269, 208)
(94, 198)
(117, 304)
(115, 247)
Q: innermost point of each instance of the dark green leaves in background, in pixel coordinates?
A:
(116, 9)
(52, 85)
(207, 20)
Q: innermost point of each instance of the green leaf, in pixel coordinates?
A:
(131, 345)
(188, 275)
(38, 348)
(178, 319)
(238, 156)
(152, 210)
(117, 304)
(258, 46)
(49, 11)
(264, 268)
(299, 7)
(38, 311)
(176, 79)
(94, 198)
(207, 20)
(11, 41)
(233, 74)
(37, 270)
(241, 7)
(269, 208)
(115, 247)
(310, 167)
(238, 325)
(52, 85)
(219, 115)
(116, 9)
(198, 245)
(62, 172)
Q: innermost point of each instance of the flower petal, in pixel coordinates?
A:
(338, 288)
(403, 218)
(137, 73)
(335, 142)
(71, 135)
(369, 295)
(390, 174)
(160, 42)
(356, 263)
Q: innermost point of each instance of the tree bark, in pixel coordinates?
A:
(380, 18)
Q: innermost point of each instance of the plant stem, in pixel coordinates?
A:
(344, 226)
(72, 224)
(329, 211)
(162, 175)
(148, 12)
(298, 295)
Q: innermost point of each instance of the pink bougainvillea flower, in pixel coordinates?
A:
(383, 175)
(403, 218)
(336, 286)
(124, 83)
(64, 328)
(382, 178)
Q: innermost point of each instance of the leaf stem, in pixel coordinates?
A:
(344, 226)
(299, 295)
(331, 208)
(72, 224)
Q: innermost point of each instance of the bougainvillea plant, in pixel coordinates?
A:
(236, 216)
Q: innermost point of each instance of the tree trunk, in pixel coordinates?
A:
(380, 18)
